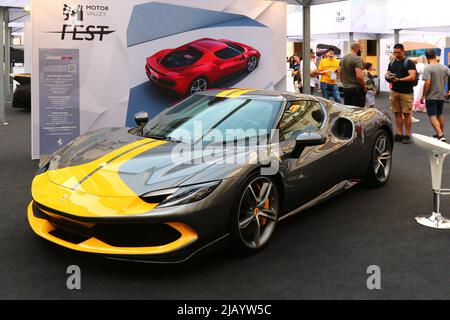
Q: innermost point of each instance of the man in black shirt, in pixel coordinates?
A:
(402, 74)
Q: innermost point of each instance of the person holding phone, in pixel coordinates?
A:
(402, 74)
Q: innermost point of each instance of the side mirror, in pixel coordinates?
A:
(141, 118)
(307, 140)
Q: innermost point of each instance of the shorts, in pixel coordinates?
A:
(355, 97)
(434, 107)
(402, 102)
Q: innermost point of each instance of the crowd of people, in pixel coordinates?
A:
(415, 86)
(359, 86)
(429, 81)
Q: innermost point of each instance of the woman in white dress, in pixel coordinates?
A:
(418, 90)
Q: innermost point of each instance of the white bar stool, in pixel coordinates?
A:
(437, 152)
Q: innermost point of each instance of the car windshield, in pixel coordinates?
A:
(215, 119)
(182, 57)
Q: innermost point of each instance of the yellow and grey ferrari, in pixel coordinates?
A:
(153, 193)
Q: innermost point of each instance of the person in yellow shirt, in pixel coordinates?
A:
(328, 69)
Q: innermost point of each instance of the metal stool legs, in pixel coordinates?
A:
(436, 220)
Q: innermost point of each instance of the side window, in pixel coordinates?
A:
(301, 116)
(235, 46)
(227, 53)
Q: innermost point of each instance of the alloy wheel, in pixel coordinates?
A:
(382, 161)
(252, 63)
(199, 85)
(258, 212)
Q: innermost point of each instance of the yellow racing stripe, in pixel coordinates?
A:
(102, 191)
(240, 93)
(71, 176)
(107, 181)
(225, 93)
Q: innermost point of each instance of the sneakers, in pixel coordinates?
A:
(406, 140)
(414, 120)
(398, 138)
(441, 138)
(402, 139)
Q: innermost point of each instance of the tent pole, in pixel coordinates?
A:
(306, 46)
(378, 61)
(351, 39)
(397, 36)
(2, 67)
(7, 58)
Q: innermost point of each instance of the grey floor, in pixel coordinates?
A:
(322, 254)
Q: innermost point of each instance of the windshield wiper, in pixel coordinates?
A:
(161, 137)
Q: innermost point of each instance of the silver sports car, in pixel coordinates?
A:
(219, 165)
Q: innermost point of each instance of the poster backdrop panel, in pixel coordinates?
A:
(59, 85)
(115, 40)
(213, 49)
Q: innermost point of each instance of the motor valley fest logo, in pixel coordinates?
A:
(75, 28)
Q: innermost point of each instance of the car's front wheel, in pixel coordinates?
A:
(255, 215)
(198, 85)
(380, 165)
(252, 63)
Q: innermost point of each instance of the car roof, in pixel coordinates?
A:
(258, 94)
(209, 44)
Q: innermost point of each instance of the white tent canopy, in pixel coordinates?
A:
(369, 19)
(417, 15)
(15, 3)
(364, 19)
(335, 20)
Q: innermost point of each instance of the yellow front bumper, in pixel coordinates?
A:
(43, 228)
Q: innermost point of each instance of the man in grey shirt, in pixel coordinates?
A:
(435, 77)
(352, 77)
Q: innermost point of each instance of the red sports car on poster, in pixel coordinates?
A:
(199, 65)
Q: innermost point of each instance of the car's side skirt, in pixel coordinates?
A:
(338, 188)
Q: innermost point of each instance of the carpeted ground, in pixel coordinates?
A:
(321, 254)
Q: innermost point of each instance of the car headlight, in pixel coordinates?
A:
(44, 167)
(183, 195)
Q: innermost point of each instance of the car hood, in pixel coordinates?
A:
(112, 162)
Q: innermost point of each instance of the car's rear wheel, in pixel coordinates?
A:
(198, 85)
(380, 165)
(255, 216)
(252, 63)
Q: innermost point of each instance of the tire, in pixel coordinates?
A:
(380, 165)
(198, 85)
(252, 225)
(252, 63)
